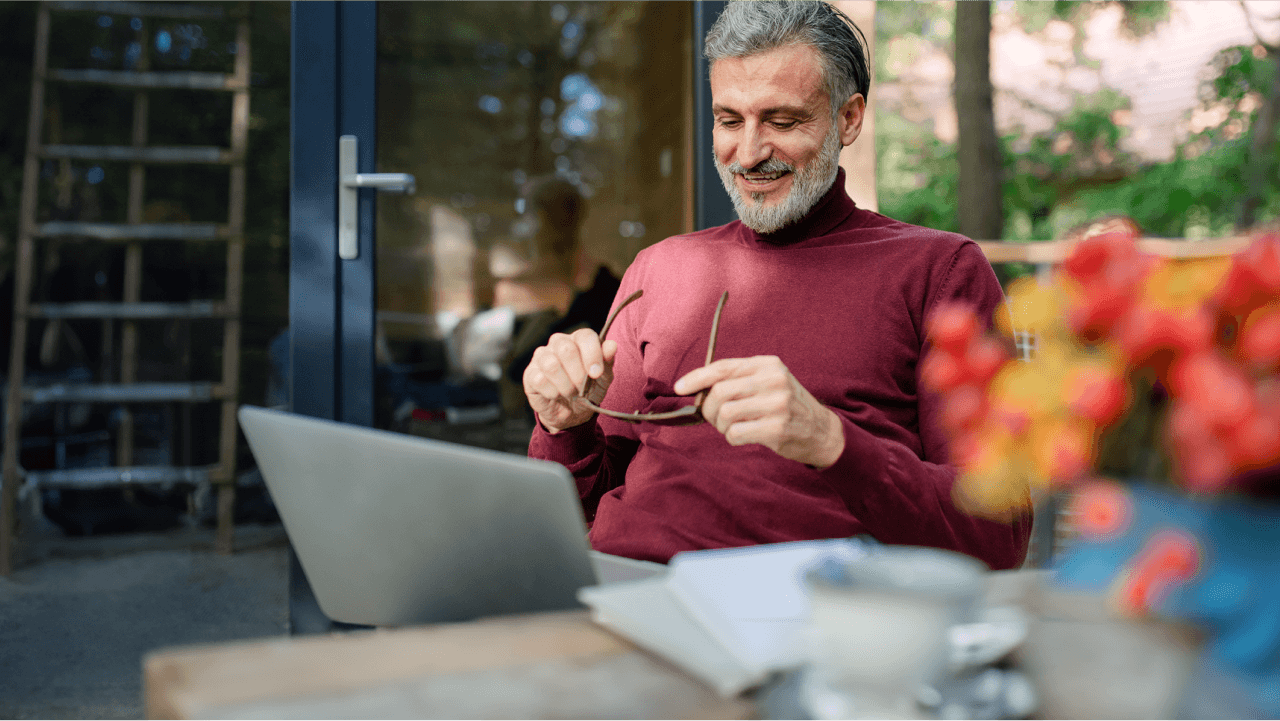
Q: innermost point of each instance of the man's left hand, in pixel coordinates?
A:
(757, 400)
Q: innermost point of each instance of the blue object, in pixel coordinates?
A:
(1234, 595)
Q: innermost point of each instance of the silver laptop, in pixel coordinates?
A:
(394, 530)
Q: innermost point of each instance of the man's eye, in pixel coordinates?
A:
(783, 124)
(730, 122)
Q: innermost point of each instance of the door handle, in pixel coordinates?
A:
(349, 183)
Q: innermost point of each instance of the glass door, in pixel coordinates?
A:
(550, 142)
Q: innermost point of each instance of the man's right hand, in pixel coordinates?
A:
(555, 379)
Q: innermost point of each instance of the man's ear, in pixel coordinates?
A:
(849, 118)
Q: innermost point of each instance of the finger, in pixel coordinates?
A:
(556, 381)
(709, 375)
(745, 386)
(724, 415)
(540, 389)
(764, 431)
(610, 351)
(540, 394)
(568, 349)
(590, 353)
(722, 392)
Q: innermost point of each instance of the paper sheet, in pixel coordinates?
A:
(753, 600)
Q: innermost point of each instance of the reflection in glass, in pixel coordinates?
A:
(550, 145)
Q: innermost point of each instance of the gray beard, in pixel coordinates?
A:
(807, 188)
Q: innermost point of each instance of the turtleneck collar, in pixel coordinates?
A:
(826, 214)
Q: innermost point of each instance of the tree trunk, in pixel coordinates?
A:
(981, 208)
(1262, 146)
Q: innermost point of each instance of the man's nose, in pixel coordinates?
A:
(753, 148)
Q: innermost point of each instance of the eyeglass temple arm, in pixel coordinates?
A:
(586, 384)
(715, 328)
(609, 321)
(711, 352)
(711, 347)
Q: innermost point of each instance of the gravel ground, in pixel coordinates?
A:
(79, 614)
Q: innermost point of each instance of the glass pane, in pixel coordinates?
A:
(550, 143)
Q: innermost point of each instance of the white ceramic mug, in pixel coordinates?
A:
(878, 628)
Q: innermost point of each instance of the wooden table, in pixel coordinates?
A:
(551, 665)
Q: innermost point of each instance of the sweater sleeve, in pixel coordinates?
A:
(599, 451)
(902, 498)
(598, 462)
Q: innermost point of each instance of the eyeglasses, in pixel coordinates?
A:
(685, 415)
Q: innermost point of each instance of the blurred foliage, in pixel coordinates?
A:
(1139, 16)
(518, 91)
(1237, 72)
(1198, 193)
(1056, 180)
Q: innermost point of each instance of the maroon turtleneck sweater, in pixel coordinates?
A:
(841, 298)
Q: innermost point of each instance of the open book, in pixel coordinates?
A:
(729, 617)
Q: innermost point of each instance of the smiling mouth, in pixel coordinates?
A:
(763, 178)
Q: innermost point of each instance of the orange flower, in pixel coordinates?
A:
(1033, 307)
(1210, 328)
(1096, 392)
(1183, 285)
(994, 482)
(1063, 450)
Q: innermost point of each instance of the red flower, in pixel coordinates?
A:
(1109, 270)
(983, 359)
(1094, 315)
(966, 448)
(1170, 558)
(1214, 389)
(1102, 258)
(1254, 277)
(1205, 467)
(952, 327)
(959, 354)
(963, 408)
(1097, 393)
(1260, 339)
(1157, 338)
(941, 371)
(1102, 509)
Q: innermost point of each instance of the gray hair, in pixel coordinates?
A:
(749, 27)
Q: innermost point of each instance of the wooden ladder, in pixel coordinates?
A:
(132, 234)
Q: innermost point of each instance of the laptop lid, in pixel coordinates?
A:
(394, 529)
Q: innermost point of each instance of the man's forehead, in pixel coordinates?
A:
(789, 76)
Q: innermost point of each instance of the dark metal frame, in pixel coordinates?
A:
(332, 302)
(711, 205)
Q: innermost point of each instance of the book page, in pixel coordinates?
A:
(753, 600)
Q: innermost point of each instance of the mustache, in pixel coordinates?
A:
(772, 165)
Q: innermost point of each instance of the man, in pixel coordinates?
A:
(816, 425)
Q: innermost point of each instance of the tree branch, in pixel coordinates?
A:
(1257, 37)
